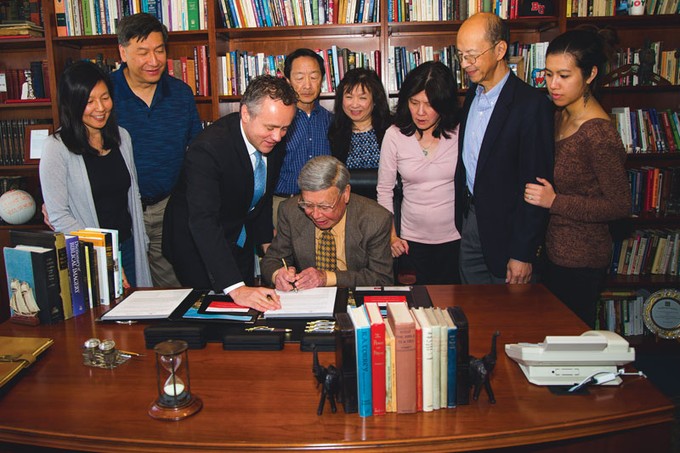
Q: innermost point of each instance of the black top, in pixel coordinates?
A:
(110, 183)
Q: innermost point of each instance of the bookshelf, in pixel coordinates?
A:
(359, 37)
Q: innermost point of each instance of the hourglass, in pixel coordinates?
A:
(175, 400)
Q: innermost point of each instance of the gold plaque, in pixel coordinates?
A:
(662, 313)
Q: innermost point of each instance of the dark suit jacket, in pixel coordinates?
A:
(367, 243)
(518, 146)
(210, 205)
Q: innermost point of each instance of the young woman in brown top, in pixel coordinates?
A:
(590, 182)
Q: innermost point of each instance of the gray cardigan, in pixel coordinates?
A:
(68, 196)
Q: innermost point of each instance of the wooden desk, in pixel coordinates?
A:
(262, 401)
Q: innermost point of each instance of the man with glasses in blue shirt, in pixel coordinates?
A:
(308, 135)
(324, 238)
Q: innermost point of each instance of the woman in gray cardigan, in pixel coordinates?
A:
(87, 170)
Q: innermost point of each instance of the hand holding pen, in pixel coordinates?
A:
(286, 277)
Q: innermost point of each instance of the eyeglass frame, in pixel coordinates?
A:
(460, 56)
(309, 207)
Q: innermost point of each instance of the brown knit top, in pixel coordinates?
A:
(592, 189)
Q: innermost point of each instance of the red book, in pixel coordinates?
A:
(419, 364)
(377, 358)
(204, 70)
(401, 322)
(185, 70)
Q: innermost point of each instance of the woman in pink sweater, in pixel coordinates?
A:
(590, 182)
(422, 147)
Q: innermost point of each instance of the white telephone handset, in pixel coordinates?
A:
(567, 360)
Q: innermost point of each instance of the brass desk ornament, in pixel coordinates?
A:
(175, 401)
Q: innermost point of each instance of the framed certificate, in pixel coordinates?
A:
(661, 313)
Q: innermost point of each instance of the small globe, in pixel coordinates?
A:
(17, 207)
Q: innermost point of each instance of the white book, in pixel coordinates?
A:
(623, 120)
(444, 351)
(117, 274)
(427, 353)
(436, 358)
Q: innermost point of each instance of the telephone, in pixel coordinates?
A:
(568, 360)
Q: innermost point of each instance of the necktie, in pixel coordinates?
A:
(326, 259)
(260, 182)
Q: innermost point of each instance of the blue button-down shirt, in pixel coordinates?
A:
(160, 133)
(478, 118)
(307, 137)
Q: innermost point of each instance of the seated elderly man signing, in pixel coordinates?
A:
(327, 238)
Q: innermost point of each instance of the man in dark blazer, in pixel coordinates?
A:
(360, 228)
(506, 141)
(211, 226)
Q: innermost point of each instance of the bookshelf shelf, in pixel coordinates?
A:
(627, 22)
(328, 30)
(644, 281)
(7, 42)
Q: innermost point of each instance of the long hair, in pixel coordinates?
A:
(75, 87)
(340, 130)
(436, 79)
(589, 48)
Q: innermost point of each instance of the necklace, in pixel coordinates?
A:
(427, 149)
(360, 130)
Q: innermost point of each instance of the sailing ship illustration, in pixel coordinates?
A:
(22, 302)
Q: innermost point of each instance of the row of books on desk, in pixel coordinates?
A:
(414, 359)
(55, 276)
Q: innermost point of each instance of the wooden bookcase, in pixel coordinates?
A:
(281, 40)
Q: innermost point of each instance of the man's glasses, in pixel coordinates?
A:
(309, 207)
(472, 59)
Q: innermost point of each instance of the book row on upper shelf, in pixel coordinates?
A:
(655, 190)
(647, 131)
(664, 63)
(21, 11)
(602, 8)
(95, 17)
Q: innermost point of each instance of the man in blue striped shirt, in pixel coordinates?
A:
(308, 135)
(159, 112)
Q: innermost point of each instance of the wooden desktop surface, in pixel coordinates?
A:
(263, 401)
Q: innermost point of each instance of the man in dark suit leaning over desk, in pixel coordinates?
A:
(222, 206)
(327, 238)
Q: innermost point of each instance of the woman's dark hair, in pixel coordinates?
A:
(75, 87)
(589, 48)
(436, 79)
(340, 130)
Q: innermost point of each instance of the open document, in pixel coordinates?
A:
(153, 304)
(308, 303)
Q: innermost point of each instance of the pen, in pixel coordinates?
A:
(130, 353)
(283, 260)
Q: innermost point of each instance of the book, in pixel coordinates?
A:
(112, 241)
(403, 327)
(60, 16)
(446, 327)
(426, 328)
(33, 283)
(378, 368)
(57, 243)
(436, 358)
(98, 265)
(28, 348)
(362, 343)
(390, 371)
(75, 273)
(111, 263)
(419, 364)
(462, 355)
(345, 361)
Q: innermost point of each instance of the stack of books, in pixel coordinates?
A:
(20, 29)
(55, 276)
(410, 361)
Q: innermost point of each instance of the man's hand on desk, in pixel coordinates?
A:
(261, 299)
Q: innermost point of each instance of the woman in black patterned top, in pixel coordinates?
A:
(361, 116)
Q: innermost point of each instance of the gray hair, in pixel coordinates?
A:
(323, 172)
(264, 86)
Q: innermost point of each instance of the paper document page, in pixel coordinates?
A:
(308, 303)
(154, 304)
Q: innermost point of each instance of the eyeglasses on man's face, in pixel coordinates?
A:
(472, 59)
(322, 207)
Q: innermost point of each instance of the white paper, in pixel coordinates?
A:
(309, 303)
(38, 138)
(155, 304)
